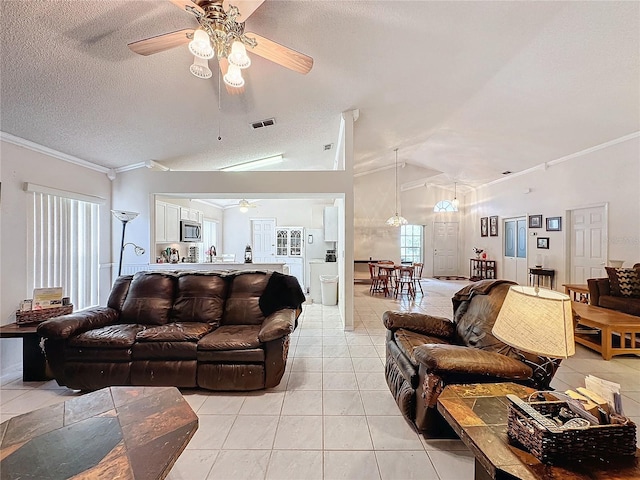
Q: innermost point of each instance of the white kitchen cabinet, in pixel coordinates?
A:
(330, 218)
(167, 222)
(191, 214)
(290, 250)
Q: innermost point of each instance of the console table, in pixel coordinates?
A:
(480, 269)
(536, 273)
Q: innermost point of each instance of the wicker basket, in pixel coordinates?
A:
(37, 316)
(595, 442)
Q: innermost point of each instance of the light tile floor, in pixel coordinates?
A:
(332, 416)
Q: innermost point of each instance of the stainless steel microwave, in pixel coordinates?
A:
(190, 231)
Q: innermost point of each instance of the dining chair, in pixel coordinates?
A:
(417, 276)
(405, 278)
(386, 270)
(375, 280)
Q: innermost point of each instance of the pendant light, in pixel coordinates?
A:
(455, 202)
(396, 220)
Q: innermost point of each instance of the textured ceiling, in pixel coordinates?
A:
(468, 89)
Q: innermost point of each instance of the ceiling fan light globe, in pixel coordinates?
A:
(244, 209)
(200, 46)
(233, 77)
(238, 55)
(200, 68)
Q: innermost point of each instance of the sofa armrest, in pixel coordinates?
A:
(76, 323)
(277, 325)
(419, 322)
(455, 359)
(598, 287)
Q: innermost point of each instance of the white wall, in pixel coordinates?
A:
(374, 198)
(20, 165)
(610, 175)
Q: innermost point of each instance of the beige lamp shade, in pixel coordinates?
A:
(535, 320)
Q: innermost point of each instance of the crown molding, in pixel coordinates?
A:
(571, 156)
(21, 142)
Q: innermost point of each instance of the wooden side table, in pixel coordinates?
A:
(478, 413)
(34, 363)
(536, 273)
(577, 292)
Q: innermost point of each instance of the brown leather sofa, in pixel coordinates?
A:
(219, 331)
(427, 353)
(601, 294)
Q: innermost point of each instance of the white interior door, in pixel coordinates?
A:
(588, 254)
(445, 249)
(264, 240)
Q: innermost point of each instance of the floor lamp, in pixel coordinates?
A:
(126, 217)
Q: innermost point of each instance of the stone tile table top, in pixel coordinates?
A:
(117, 432)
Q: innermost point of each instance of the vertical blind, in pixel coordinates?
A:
(65, 248)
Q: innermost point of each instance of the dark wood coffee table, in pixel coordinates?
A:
(117, 432)
(478, 414)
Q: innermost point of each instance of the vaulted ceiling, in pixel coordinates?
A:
(465, 90)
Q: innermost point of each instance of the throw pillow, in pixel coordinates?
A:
(625, 282)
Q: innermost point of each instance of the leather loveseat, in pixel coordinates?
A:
(619, 291)
(219, 331)
(426, 353)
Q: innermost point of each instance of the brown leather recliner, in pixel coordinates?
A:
(220, 331)
(426, 353)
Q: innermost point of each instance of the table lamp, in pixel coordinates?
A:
(537, 321)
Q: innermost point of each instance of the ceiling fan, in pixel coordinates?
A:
(221, 34)
(245, 205)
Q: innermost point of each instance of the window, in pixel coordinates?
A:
(411, 243)
(64, 245)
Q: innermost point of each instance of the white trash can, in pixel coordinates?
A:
(329, 287)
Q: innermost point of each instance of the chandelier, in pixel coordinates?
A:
(222, 36)
(396, 220)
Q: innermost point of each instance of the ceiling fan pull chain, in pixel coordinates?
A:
(219, 106)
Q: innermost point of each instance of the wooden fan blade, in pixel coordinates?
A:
(160, 43)
(288, 58)
(188, 5)
(246, 7)
(224, 66)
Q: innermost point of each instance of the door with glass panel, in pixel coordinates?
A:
(514, 265)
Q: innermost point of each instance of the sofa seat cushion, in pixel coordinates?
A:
(249, 355)
(84, 354)
(164, 351)
(407, 341)
(112, 336)
(622, 304)
(231, 337)
(174, 332)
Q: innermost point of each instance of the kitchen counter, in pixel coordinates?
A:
(274, 267)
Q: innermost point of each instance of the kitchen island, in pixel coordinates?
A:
(218, 266)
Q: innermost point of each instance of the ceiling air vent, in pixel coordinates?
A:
(507, 172)
(328, 146)
(263, 123)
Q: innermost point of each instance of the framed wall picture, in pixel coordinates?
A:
(543, 242)
(554, 224)
(493, 226)
(535, 221)
(484, 226)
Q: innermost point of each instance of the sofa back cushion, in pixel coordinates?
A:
(119, 292)
(474, 319)
(625, 282)
(149, 299)
(242, 306)
(200, 297)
